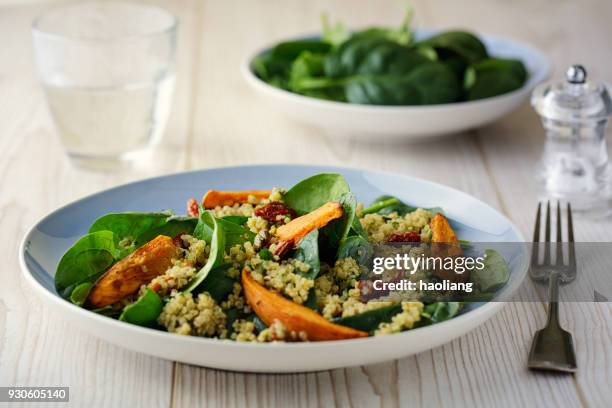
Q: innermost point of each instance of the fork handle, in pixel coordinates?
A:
(553, 300)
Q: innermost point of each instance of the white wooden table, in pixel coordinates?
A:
(217, 121)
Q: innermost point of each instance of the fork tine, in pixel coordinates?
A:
(547, 235)
(536, 237)
(570, 225)
(559, 237)
(559, 240)
(570, 238)
(536, 230)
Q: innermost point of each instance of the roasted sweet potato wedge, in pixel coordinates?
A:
(445, 244)
(214, 198)
(297, 228)
(441, 231)
(270, 306)
(126, 276)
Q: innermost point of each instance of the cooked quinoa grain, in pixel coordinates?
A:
(379, 227)
(347, 304)
(257, 224)
(236, 300)
(345, 272)
(410, 314)
(176, 277)
(284, 277)
(244, 330)
(276, 195)
(245, 210)
(197, 251)
(278, 332)
(188, 316)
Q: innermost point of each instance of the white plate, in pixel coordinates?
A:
(384, 123)
(46, 242)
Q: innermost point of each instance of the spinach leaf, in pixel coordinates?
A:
(173, 226)
(290, 50)
(80, 293)
(338, 34)
(356, 247)
(307, 251)
(465, 45)
(370, 320)
(429, 83)
(259, 324)
(129, 225)
(495, 273)
(271, 70)
(400, 35)
(308, 67)
(357, 228)
(217, 283)
(438, 312)
(336, 231)
(85, 261)
(217, 250)
(456, 65)
(370, 55)
(133, 229)
(494, 76)
(231, 316)
(311, 300)
(234, 234)
(379, 205)
(236, 219)
(274, 65)
(400, 208)
(333, 34)
(311, 193)
(377, 71)
(145, 311)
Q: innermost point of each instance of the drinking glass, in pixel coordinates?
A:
(108, 74)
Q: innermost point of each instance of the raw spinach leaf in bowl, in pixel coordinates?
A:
(386, 66)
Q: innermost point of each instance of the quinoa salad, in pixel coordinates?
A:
(254, 265)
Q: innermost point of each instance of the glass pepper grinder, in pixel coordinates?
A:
(574, 165)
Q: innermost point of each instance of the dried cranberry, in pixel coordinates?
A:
(178, 240)
(270, 212)
(404, 237)
(192, 208)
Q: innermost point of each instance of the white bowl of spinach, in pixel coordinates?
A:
(396, 83)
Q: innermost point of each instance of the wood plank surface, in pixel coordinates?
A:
(217, 121)
(37, 347)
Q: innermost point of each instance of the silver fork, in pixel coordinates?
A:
(553, 348)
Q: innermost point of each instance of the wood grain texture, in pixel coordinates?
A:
(36, 347)
(216, 120)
